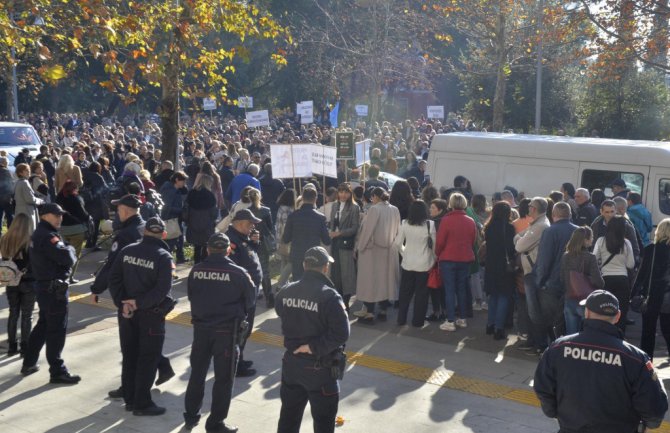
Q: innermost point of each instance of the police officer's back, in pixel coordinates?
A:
(221, 295)
(315, 327)
(594, 381)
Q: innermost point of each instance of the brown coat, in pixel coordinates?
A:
(74, 175)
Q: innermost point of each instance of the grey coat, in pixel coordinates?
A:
(26, 202)
(350, 217)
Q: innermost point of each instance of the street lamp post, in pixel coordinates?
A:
(538, 75)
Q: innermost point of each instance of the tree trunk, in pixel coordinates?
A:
(169, 112)
(501, 77)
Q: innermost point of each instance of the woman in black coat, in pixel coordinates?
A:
(200, 216)
(95, 199)
(499, 282)
(266, 229)
(74, 228)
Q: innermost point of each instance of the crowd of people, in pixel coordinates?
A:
(529, 261)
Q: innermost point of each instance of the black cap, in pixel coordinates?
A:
(155, 225)
(130, 200)
(25, 150)
(218, 241)
(619, 182)
(51, 208)
(318, 256)
(246, 215)
(602, 302)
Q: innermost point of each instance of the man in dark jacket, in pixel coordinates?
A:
(6, 192)
(305, 228)
(586, 212)
(227, 175)
(167, 170)
(599, 226)
(548, 268)
(594, 381)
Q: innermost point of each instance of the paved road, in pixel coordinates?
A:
(400, 379)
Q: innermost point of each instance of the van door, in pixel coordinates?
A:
(594, 175)
(657, 199)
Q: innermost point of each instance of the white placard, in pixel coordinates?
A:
(363, 152)
(362, 110)
(303, 160)
(245, 102)
(306, 111)
(258, 118)
(436, 111)
(324, 160)
(208, 104)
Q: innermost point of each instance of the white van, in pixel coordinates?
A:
(537, 165)
(14, 137)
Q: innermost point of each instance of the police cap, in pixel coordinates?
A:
(130, 200)
(246, 215)
(218, 241)
(318, 256)
(51, 208)
(155, 225)
(602, 302)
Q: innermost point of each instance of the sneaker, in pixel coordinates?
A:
(476, 306)
(522, 336)
(485, 306)
(362, 312)
(116, 393)
(461, 323)
(448, 326)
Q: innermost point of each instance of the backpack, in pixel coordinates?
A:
(10, 275)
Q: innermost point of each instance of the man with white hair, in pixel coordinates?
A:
(586, 212)
(246, 178)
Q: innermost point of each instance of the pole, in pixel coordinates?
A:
(538, 83)
(14, 89)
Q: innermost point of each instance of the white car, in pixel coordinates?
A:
(14, 137)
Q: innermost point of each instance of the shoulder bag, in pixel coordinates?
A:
(511, 265)
(639, 302)
(579, 286)
(430, 240)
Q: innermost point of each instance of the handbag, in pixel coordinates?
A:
(639, 302)
(346, 242)
(580, 286)
(434, 278)
(511, 266)
(430, 239)
(172, 228)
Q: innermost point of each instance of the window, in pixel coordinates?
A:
(602, 179)
(664, 196)
(18, 136)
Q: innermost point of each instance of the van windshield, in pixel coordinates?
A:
(17, 136)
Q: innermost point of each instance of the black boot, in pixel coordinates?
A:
(13, 349)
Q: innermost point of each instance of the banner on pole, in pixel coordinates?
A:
(361, 110)
(436, 111)
(208, 104)
(258, 118)
(303, 160)
(306, 111)
(245, 102)
(344, 142)
(363, 152)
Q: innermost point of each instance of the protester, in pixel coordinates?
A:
(345, 218)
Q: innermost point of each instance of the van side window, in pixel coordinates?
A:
(602, 179)
(664, 196)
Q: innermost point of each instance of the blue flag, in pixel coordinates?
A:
(333, 115)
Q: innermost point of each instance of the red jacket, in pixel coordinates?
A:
(456, 238)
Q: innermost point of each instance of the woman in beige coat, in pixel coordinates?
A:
(378, 261)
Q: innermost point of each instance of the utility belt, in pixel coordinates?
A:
(336, 361)
(165, 306)
(58, 288)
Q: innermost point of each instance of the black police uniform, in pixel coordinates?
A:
(143, 272)
(594, 381)
(243, 253)
(221, 295)
(313, 313)
(51, 263)
(130, 232)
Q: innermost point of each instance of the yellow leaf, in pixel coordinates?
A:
(54, 73)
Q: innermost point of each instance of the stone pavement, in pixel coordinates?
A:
(399, 380)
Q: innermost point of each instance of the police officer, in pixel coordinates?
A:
(594, 381)
(244, 241)
(51, 263)
(130, 230)
(221, 295)
(315, 327)
(139, 282)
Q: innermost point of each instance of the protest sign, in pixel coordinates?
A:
(258, 118)
(306, 111)
(362, 152)
(245, 102)
(208, 104)
(362, 110)
(436, 111)
(344, 142)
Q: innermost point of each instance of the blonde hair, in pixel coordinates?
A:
(17, 237)
(145, 175)
(66, 163)
(255, 197)
(204, 181)
(663, 232)
(457, 201)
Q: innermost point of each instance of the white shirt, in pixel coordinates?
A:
(415, 253)
(619, 264)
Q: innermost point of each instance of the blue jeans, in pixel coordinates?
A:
(498, 305)
(574, 314)
(455, 279)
